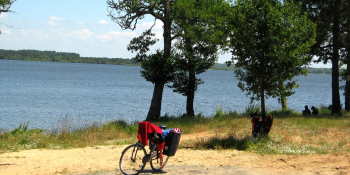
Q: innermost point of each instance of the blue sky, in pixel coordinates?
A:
(79, 26)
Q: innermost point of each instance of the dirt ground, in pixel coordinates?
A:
(105, 159)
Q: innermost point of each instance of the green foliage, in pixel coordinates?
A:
(5, 5)
(319, 70)
(224, 142)
(157, 69)
(252, 108)
(52, 56)
(118, 124)
(231, 131)
(127, 15)
(219, 66)
(219, 113)
(284, 113)
(269, 41)
(332, 39)
(199, 34)
(23, 130)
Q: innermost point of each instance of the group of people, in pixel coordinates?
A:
(308, 112)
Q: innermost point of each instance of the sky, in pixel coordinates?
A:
(78, 26)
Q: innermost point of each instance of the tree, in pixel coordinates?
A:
(269, 40)
(330, 17)
(128, 14)
(345, 44)
(199, 30)
(5, 6)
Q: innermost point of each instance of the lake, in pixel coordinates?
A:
(44, 93)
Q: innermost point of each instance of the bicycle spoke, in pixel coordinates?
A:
(133, 159)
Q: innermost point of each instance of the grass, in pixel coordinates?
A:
(291, 133)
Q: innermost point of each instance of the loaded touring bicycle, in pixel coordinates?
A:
(163, 143)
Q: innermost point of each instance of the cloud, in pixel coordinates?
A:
(82, 34)
(3, 15)
(52, 24)
(103, 22)
(54, 21)
(146, 25)
(104, 38)
(5, 31)
(54, 18)
(159, 35)
(81, 23)
(128, 35)
(115, 35)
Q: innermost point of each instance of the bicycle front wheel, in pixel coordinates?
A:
(133, 159)
(158, 160)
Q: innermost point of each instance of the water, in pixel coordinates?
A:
(42, 93)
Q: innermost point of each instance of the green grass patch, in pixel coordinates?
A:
(291, 133)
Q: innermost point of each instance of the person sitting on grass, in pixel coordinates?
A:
(306, 111)
(314, 110)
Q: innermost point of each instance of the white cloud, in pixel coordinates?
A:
(24, 32)
(159, 35)
(103, 22)
(60, 31)
(3, 15)
(28, 33)
(81, 23)
(6, 31)
(104, 38)
(115, 35)
(52, 24)
(146, 25)
(82, 34)
(129, 34)
(54, 18)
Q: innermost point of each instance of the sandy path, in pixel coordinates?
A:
(105, 159)
(186, 161)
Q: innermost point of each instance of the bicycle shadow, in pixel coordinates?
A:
(152, 172)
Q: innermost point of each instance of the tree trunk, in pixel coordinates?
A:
(262, 96)
(156, 103)
(283, 97)
(191, 84)
(335, 61)
(190, 95)
(347, 85)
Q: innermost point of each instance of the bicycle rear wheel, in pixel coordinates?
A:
(133, 159)
(158, 160)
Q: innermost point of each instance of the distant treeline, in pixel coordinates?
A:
(319, 70)
(53, 56)
(311, 70)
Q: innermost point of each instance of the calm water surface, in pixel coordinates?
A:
(44, 93)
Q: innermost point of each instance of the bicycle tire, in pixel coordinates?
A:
(133, 159)
(155, 160)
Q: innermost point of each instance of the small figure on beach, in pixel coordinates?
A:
(314, 110)
(306, 111)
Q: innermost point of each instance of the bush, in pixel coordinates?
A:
(252, 108)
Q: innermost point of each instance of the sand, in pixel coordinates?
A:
(105, 160)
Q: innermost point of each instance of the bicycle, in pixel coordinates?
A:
(134, 157)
